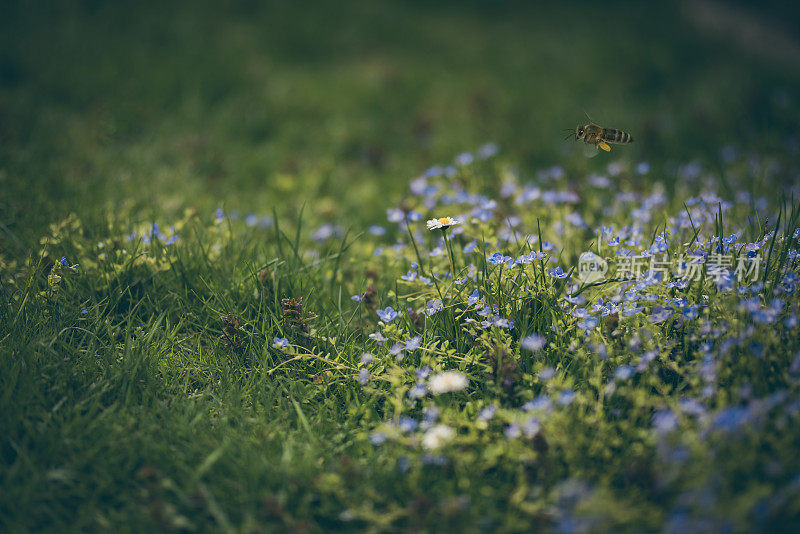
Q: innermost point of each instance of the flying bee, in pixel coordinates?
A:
(592, 134)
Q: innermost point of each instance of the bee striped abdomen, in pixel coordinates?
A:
(612, 135)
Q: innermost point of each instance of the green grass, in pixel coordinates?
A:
(127, 403)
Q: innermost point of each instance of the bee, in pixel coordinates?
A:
(592, 134)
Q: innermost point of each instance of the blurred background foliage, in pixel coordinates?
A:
(151, 107)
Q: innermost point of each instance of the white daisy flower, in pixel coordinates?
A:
(446, 382)
(442, 222)
(437, 436)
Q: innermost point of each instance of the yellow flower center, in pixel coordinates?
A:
(444, 220)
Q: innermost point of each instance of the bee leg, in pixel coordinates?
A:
(604, 146)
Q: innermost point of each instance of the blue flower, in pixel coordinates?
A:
(395, 215)
(65, 263)
(413, 343)
(533, 342)
(465, 158)
(377, 230)
(280, 342)
(498, 322)
(623, 372)
(474, 298)
(433, 306)
(417, 392)
(513, 431)
(691, 312)
(406, 424)
(497, 258)
(488, 150)
(363, 376)
(531, 427)
(546, 374)
(430, 414)
(326, 231)
(664, 422)
(557, 272)
(487, 413)
(542, 402)
(730, 419)
(377, 438)
(423, 372)
(566, 397)
(410, 276)
(580, 313)
(377, 336)
(388, 314)
(661, 314)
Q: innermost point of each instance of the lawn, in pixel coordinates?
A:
(278, 267)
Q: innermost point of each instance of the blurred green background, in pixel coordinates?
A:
(150, 107)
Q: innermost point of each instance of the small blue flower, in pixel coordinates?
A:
(566, 397)
(531, 427)
(377, 438)
(433, 306)
(377, 336)
(664, 422)
(465, 158)
(418, 391)
(691, 312)
(395, 215)
(388, 314)
(496, 258)
(280, 342)
(542, 402)
(406, 424)
(513, 431)
(487, 413)
(557, 272)
(413, 343)
(363, 376)
(423, 372)
(377, 230)
(533, 342)
(430, 414)
(546, 374)
(410, 276)
(623, 372)
(580, 313)
(488, 150)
